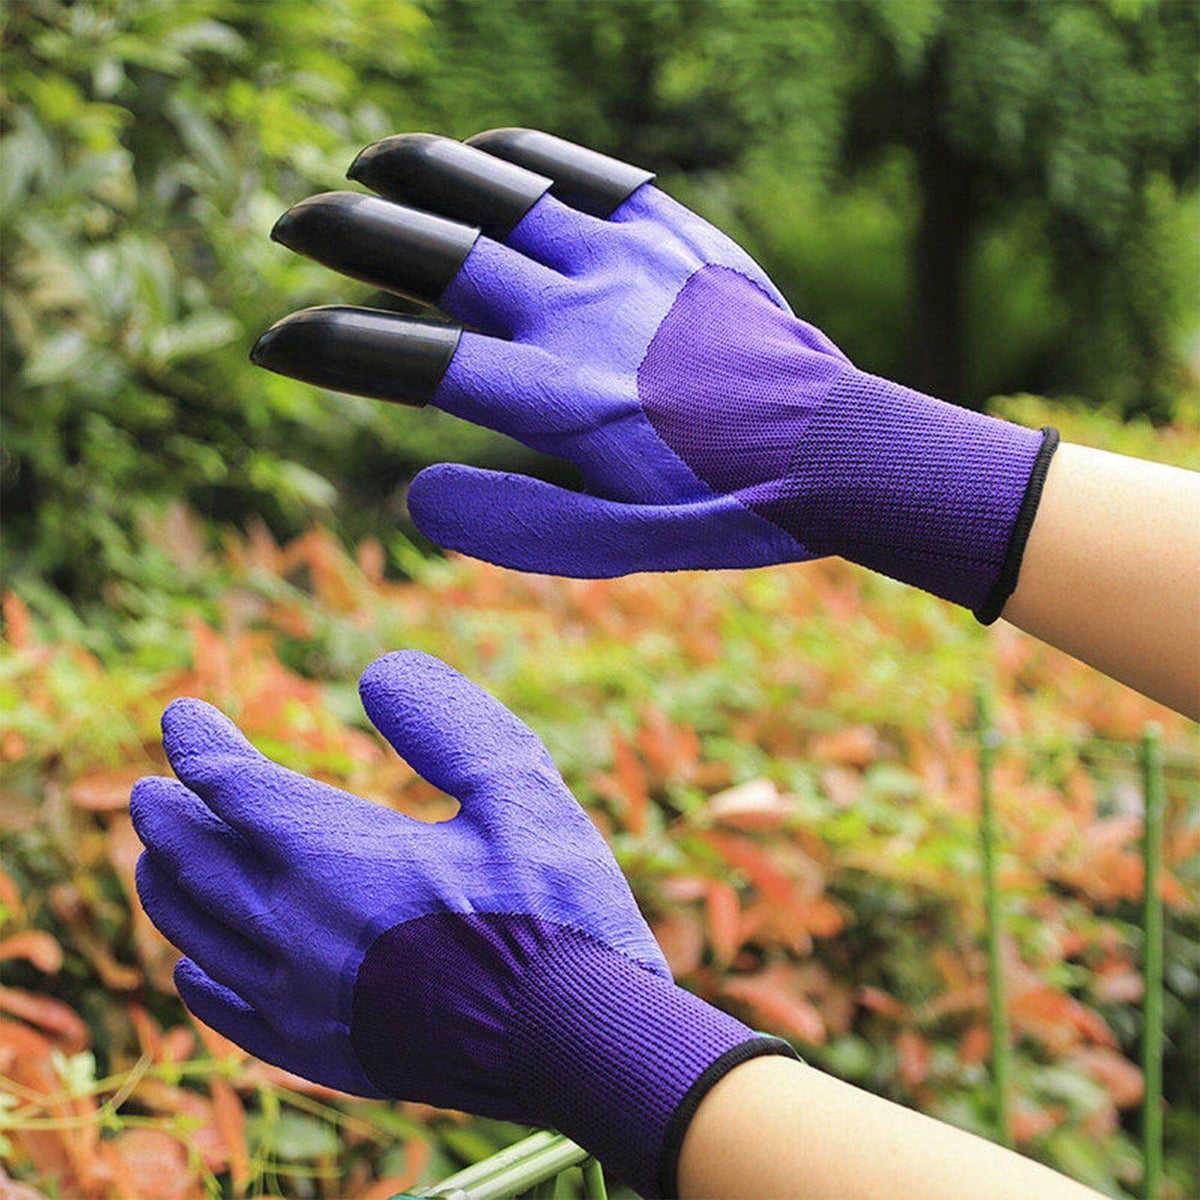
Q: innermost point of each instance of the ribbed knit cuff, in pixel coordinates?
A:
(918, 489)
(1010, 570)
(621, 1058)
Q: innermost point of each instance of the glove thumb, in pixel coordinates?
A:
(522, 523)
(448, 729)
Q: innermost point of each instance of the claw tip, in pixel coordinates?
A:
(354, 170)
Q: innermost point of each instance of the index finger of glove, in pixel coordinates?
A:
(583, 178)
(453, 733)
(467, 184)
(210, 755)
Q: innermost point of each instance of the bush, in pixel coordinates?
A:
(969, 199)
(783, 763)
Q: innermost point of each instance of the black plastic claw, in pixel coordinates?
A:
(583, 178)
(365, 351)
(398, 249)
(448, 177)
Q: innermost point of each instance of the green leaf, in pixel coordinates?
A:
(296, 1137)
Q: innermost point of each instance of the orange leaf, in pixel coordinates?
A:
(633, 783)
(37, 947)
(230, 1120)
(671, 750)
(1113, 833)
(104, 791)
(684, 889)
(156, 954)
(417, 1154)
(776, 1005)
(1056, 1019)
(120, 1171)
(178, 1045)
(723, 910)
(149, 1035)
(762, 870)
(371, 559)
(821, 916)
(258, 1073)
(842, 786)
(217, 1044)
(877, 1000)
(157, 1165)
(66, 1154)
(1120, 1078)
(53, 1016)
(10, 894)
(1027, 1124)
(18, 624)
(1120, 986)
(975, 1046)
(71, 908)
(852, 746)
(914, 1056)
(681, 940)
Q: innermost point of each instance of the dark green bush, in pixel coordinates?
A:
(975, 198)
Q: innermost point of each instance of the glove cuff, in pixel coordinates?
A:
(924, 491)
(621, 1058)
(1006, 581)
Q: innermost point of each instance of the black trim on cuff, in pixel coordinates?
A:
(677, 1127)
(1006, 584)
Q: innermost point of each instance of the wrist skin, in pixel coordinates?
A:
(620, 1058)
(778, 1130)
(1112, 572)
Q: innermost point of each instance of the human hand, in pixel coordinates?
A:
(495, 962)
(611, 326)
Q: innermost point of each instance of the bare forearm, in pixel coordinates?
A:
(1111, 572)
(775, 1128)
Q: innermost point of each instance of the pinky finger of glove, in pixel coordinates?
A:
(522, 523)
(326, 1056)
(224, 1010)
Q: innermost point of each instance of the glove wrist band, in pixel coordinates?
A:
(620, 1058)
(923, 491)
(1010, 571)
(755, 1047)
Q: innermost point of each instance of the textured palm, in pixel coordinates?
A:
(589, 347)
(568, 385)
(275, 885)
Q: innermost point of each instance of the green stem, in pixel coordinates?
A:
(513, 1171)
(990, 844)
(593, 1181)
(1152, 961)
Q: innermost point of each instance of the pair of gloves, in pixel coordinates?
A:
(497, 962)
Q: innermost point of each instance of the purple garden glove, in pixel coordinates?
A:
(609, 325)
(495, 962)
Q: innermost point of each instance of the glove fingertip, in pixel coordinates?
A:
(393, 672)
(145, 793)
(202, 994)
(141, 799)
(186, 714)
(192, 727)
(435, 500)
(187, 975)
(150, 883)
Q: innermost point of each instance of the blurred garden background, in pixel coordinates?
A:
(995, 201)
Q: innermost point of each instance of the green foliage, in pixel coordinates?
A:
(979, 197)
(147, 150)
(783, 761)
